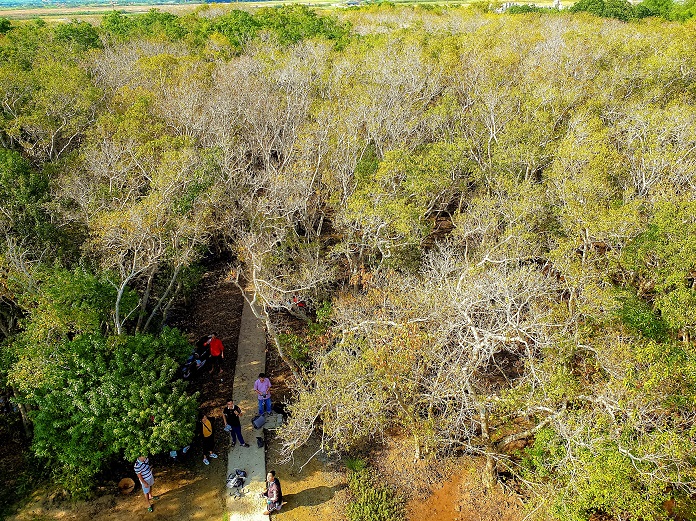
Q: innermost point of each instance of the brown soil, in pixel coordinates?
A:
(317, 491)
(313, 488)
(462, 497)
(443, 489)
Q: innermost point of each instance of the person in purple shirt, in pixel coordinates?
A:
(262, 386)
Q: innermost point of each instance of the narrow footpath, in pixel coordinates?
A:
(245, 504)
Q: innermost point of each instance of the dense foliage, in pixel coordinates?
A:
(110, 398)
(371, 500)
(624, 10)
(490, 219)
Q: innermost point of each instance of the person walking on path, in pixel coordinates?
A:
(273, 494)
(262, 386)
(230, 415)
(208, 439)
(147, 479)
(217, 353)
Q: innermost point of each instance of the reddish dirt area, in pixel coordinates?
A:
(443, 489)
(462, 497)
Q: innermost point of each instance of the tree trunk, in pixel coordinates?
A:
(417, 453)
(117, 308)
(144, 301)
(175, 276)
(165, 311)
(489, 475)
(26, 422)
(274, 336)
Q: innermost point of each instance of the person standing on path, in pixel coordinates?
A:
(217, 353)
(262, 386)
(208, 439)
(147, 479)
(230, 415)
(273, 494)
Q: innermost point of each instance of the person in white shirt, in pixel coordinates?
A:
(147, 479)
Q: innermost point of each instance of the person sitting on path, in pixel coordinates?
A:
(208, 439)
(262, 386)
(230, 415)
(273, 494)
(147, 479)
(217, 352)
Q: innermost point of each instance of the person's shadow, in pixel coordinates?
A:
(310, 497)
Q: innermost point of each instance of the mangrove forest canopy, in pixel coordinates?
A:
(491, 219)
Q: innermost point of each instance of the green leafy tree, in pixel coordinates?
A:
(292, 23)
(117, 25)
(239, 27)
(109, 398)
(624, 447)
(661, 265)
(154, 24)
(23, 193)
(80, 36)
(5, 25)
(661, 8)
(619, 9)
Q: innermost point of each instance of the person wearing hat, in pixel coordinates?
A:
(147, 479)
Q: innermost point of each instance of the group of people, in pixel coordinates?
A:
(231, 414)
(217, 354)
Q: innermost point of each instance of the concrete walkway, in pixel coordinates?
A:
(251, 360)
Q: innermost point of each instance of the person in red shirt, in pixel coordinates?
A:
(217, 352)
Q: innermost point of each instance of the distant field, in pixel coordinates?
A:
(58, 13)
(91, 12)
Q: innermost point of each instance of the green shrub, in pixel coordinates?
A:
(372, 500)
(107, 398)
(295, 347)
(5, 25)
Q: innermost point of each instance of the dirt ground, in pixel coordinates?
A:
(314, 490)
(462, 497)
(443, 489)
(188, 490)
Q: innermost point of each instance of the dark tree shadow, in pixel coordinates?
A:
(310, 497)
